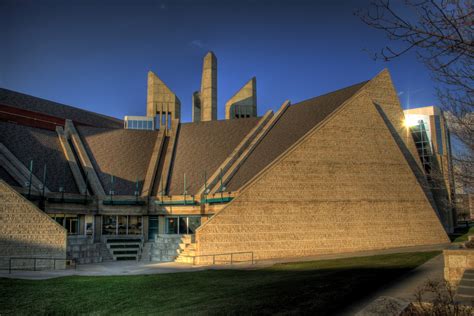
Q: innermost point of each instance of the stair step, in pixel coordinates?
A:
(131, 245)
(125, 258)
(124, 240)
(466, 291)
(125, 252)
(466, 282)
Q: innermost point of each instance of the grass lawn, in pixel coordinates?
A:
(461, 233)
(324, 287)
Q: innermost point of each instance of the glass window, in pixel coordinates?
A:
(134, 225)
(183, 225)
(122, 225)
(193, 223)
(150, 125)
(89, 229)
(109, 225)
(439, 137)
(171, 225)
(59, 219)
(72, 225)
(152, 227)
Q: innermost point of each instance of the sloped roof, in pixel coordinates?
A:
(43, 147)
(5, 176)
(123, 153)
(30, 103)
(202, 147)
(295, 122)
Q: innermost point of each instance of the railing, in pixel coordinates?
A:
(35, 260)
(231, 254)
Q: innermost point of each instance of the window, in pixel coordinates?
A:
(182, 224)
(89, 225)
(439, 137)
(171, 225)
(134, 225)
(109, 225)
(121, 225)
(72, 225)
(70, 222)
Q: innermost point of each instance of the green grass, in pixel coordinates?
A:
(308, 287)
(461, 233)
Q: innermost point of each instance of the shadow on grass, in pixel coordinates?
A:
(325, 287)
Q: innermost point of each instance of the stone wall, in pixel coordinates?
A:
(455, 262)
(346, 186)
(25, 230)
(83, 249)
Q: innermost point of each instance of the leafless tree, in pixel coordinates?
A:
(436, 298)
(440, 33)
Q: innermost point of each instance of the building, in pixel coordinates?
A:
(430, 132)
(335, 173)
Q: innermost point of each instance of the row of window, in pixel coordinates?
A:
(122, 225)
(139, 124)
(126, 224)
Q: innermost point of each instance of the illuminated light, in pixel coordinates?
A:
(411, 121)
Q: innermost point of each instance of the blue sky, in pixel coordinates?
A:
(96, 54)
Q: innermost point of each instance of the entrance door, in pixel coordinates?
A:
(152, 227)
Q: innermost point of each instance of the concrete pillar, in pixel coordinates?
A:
(97, 228)
(209, 88)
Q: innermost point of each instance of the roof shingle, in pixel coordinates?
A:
(297, 120)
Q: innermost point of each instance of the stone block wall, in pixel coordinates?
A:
(25, 230)
(344, 187)
(83, 249)
(455, 263)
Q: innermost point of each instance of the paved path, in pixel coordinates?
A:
(407, 285)
(136, 268)
(106, 269)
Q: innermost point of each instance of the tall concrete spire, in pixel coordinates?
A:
(161, 102)
(208, 97)
(244, 102)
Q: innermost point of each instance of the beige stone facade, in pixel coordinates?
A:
(25, 230)
(346, 186)
(244, 102)
(161, 102)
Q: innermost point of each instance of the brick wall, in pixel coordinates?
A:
(346, 186)
(25, 230)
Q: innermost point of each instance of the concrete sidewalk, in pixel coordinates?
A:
(405, 288)
(106, 269)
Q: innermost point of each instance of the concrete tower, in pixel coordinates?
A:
(244, 102)
(208, 95)
(161, 102)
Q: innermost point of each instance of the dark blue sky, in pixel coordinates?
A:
(96, 54)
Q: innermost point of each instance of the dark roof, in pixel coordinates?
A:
(43, 147)
(123, 153)
(5, 176)
(202, 147)
(30, 103)
(297, 120)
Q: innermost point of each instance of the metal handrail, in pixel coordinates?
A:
(223, 254)
(35, 259)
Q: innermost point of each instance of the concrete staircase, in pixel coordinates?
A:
(465, 290)
(166, 248)
(125, 248)
(188, 253)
